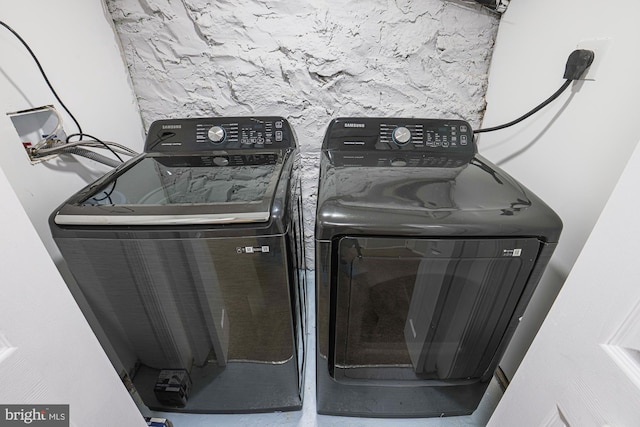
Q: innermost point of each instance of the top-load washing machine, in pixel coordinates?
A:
(190, 256)
(426, 257)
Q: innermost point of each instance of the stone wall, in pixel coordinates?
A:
(306, 60)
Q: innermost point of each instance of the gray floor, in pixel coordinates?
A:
(308, 416)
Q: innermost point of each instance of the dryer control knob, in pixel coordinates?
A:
(401, 135)
(216, 134)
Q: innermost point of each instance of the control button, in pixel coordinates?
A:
(463, 128)
(398, 162)
(401, 135)
(278, 135)
(220, 161)
(463, 139)
(216, 134)
(279, 125)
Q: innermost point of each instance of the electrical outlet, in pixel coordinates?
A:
(35, 125)
(599, 47)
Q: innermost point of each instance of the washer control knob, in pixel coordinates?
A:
(401, 135)
(216, 134)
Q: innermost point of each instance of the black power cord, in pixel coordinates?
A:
(577, 64)
(44, 75)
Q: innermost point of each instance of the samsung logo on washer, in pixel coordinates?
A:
(171, 126)
(354, 125)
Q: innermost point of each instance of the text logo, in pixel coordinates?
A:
(354, 125)
(171, 126)
(252, 249)
(35, 415)
(511, 252)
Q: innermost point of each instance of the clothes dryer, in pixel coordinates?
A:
(426, 257)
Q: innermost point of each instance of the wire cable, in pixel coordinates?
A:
(543, 104)
(53, 148)
(44, 75)
(93, 156)
(107, 194)
(72, 147)
(80, 134)
(577, 64)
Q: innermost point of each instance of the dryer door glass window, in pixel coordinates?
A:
(425, 309)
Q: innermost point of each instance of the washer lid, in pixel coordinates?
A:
(157, 189)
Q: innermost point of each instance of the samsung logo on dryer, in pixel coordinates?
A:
(354, 125)
(171, 126)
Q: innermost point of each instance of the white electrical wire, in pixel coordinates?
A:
(94, 144)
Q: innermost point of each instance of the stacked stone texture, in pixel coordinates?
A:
(307, 60)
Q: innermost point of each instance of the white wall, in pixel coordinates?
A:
(307, 60)
(573, 152)
(48, 353)
(76, 44)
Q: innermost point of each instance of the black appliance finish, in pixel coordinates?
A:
(191, 257)
(426, 257)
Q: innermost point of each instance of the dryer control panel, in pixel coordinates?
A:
(399, 142)
(219, 133)
(400, 134)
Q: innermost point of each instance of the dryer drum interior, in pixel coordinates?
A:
(426, 257)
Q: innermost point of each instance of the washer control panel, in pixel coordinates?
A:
(395, 134)
(204, 134)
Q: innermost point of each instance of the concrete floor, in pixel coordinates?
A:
(308, 417)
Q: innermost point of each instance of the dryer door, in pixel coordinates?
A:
(425, 310)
